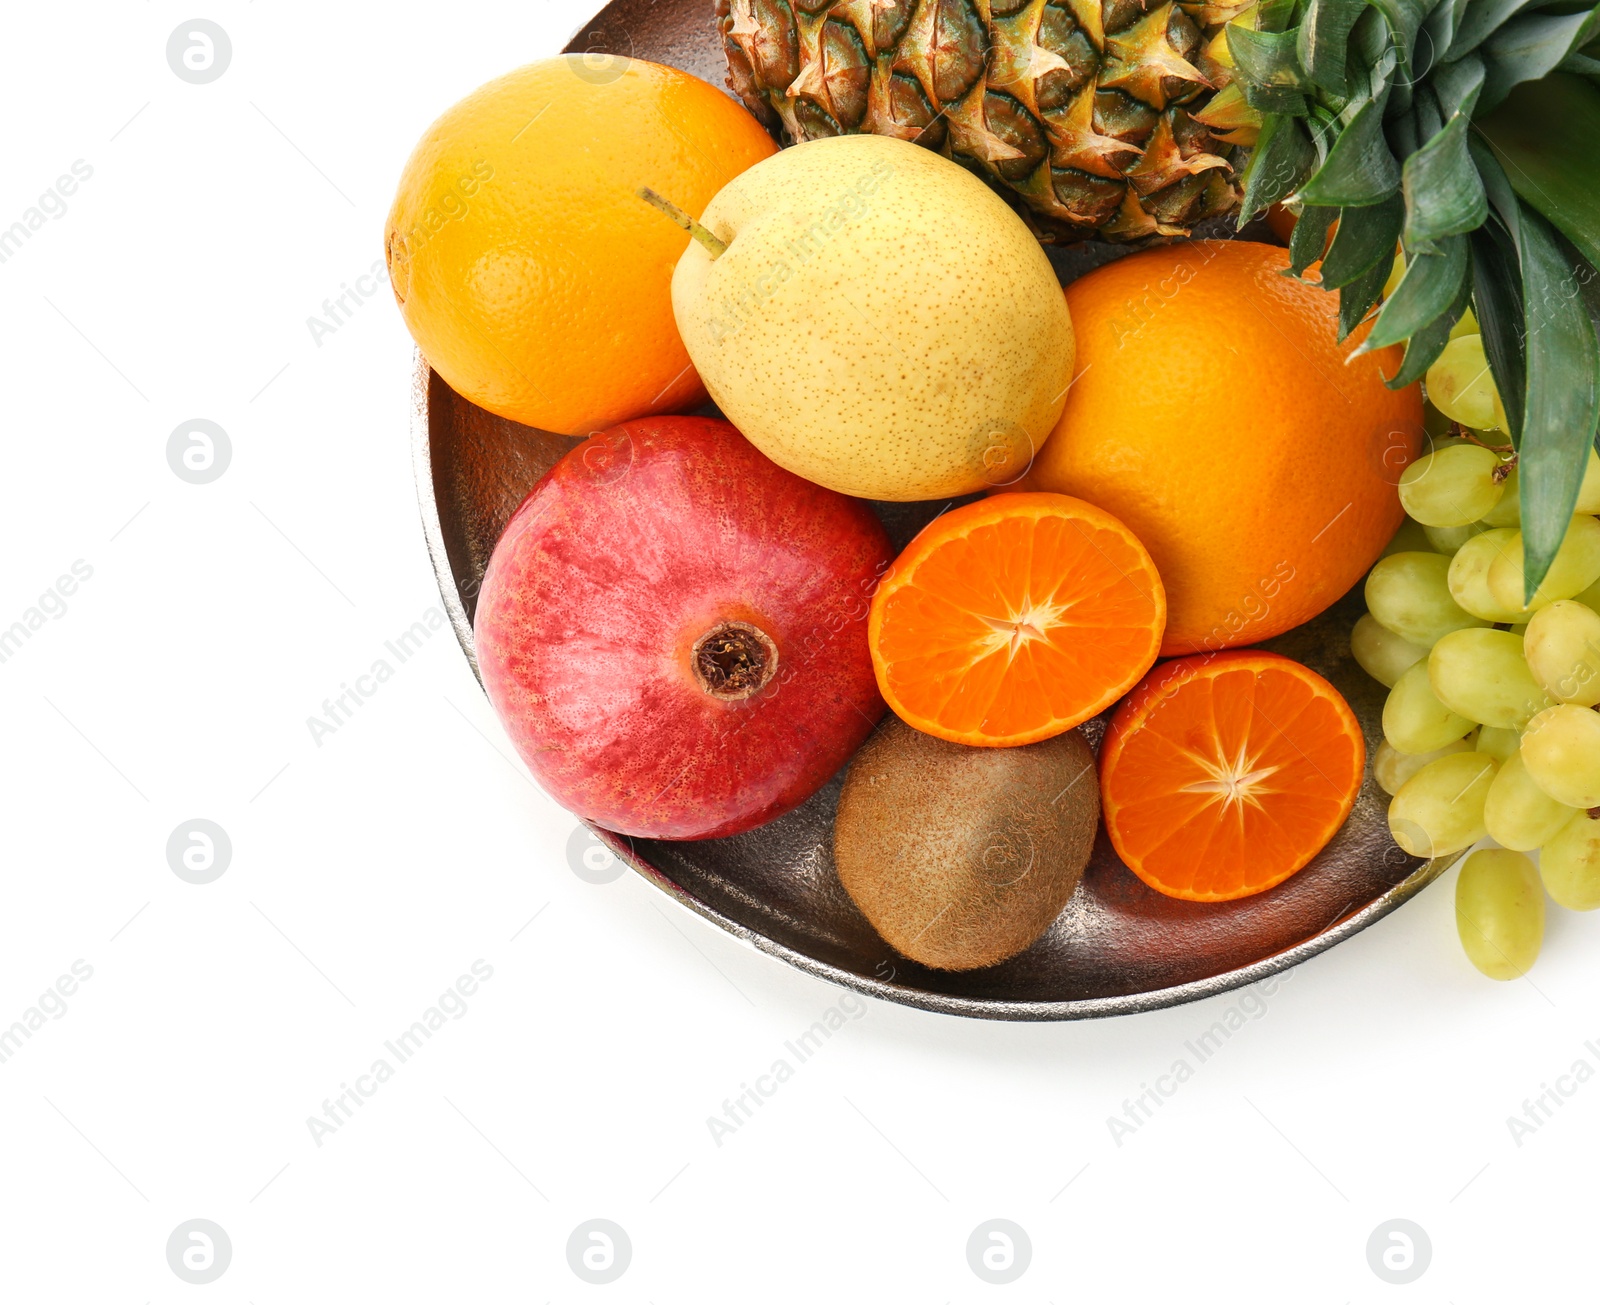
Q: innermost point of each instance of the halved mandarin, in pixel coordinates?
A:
(1014, 619)
(1224, 773)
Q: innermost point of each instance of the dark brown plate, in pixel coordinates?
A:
(1118, 947)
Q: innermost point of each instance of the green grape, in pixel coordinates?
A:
(1448, 539)
(1518, 813)
(1414, 720)
(1499, 743)
(1561, 749)
(1563, 648)
(1468, 577)
(1460, 386)
(1590, 597)
(1570, 865)
(1410, 538)
(1508, 511)
(1452, 486)
(1589, 491)
(1381, 653)
(1409, 595)
(1500, 912)
(1439, 810)
(1484, 676)
(1468, 325)
(1575, 568)
(1391, 767)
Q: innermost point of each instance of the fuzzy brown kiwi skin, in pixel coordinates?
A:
(961, 857)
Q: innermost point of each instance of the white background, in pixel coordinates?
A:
(368, 873)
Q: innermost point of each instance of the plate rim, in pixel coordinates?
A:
(921, 999)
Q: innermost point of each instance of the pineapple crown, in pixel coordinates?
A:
(1465, 131)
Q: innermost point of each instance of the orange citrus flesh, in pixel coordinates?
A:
(1222, 774)
(1014, 619)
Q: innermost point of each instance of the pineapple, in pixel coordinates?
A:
(1092, 116)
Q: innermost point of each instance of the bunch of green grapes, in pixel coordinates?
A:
(1490, 728)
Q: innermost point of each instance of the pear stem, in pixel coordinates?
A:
(715, 246)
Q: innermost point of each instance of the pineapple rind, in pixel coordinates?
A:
(1089, 115)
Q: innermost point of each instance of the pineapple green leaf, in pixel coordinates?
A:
(1357, 298)
(1310, 237)
(1275, 99)
(1458, 85)
(1552, 399)
(1366, 238)
(1404, 19)
(1360, 168)
(1547, 138)
(1497, 292)
(1527, 48)
(1563, 396)
(1283, 157)
(1497, 304)
(1431, 285)
(1439, 31)
(1404, 135)
(1443, 191)
(1428, 116)
(1275, 15)
(1423, 348)
(1266, 59)
(1481, 20)
(1321, 41)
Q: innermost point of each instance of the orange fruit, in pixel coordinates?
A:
(533, 277)
(1014, 619)
(1223, 774)
(1215, 413)
(1282, 221)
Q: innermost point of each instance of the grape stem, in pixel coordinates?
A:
(1507, 451)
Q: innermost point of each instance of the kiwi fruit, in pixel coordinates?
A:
(961, 857)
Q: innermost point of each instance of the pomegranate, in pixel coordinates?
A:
(673, 630)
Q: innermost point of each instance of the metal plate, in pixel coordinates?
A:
(1119, 946)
